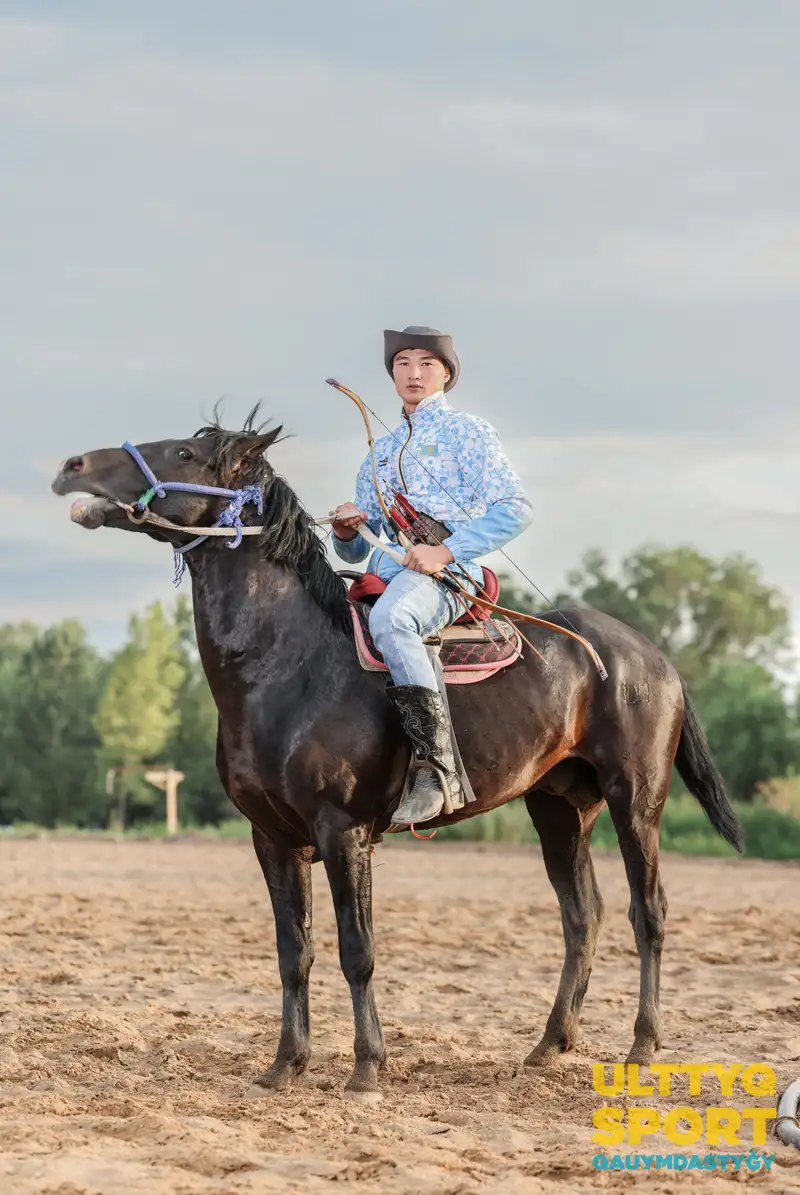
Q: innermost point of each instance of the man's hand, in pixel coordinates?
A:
(347, 520)
(424, 558)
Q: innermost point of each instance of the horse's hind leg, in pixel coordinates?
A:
(288, 876)
(635, 806)
(564, 834)
(345, 852)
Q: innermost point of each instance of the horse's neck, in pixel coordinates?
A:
(247, 609)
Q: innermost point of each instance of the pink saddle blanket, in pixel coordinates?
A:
(468, 654)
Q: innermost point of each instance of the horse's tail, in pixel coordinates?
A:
(702, 777)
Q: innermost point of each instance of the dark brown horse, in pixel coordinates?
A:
(311, 751)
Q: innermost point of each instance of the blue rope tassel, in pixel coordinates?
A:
(230, 517)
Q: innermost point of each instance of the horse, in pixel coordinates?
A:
(311, 751)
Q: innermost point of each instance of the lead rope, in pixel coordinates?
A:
(230, 523)
(147, 516)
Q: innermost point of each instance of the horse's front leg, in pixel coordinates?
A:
(288, 876)
(345, 851)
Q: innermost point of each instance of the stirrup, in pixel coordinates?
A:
(447, 800)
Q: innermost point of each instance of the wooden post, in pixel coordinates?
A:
(167, 779)
(173, 780)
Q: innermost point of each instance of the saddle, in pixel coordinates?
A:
(468, 652)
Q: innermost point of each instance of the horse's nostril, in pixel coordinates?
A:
(74, 464)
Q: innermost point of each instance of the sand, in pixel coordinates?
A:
(140, 996)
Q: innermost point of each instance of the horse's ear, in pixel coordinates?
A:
(246, 464)
(250, 448)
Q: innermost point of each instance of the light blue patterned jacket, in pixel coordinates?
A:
(452, 467)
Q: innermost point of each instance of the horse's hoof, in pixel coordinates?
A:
(279, 1076)
(642, 1053)
(362, 1086)
(545, 1054)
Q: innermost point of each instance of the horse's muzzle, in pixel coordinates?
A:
(69, 476)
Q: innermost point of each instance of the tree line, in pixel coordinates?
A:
(68, 714)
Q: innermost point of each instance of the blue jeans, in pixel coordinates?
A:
(412, 607)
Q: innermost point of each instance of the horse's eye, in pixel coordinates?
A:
(184, 454)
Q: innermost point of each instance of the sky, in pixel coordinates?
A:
(601, 203)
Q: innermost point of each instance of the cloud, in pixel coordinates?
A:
(600, 204)
(26, 44)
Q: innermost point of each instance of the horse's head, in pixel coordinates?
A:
(116, 478)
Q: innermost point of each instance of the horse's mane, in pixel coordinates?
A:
(289, 537)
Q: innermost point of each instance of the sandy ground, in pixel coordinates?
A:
(140, 995)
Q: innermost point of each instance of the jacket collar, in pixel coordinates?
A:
(433, 404)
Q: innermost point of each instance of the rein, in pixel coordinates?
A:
(229, 523)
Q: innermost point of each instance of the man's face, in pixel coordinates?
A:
(417, 375)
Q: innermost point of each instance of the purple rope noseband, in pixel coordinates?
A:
(230, 517)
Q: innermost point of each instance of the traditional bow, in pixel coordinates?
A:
(362, 406)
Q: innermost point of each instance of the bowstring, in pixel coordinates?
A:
(465, 512)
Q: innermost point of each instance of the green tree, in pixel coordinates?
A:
(138, 713)
(701, 612)
(193, 744)
(750, 726)
(53, 742)
(15, 640)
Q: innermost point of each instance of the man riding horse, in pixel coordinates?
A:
(451, 466)
(307, 746)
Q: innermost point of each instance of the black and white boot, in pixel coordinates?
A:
(436, 781)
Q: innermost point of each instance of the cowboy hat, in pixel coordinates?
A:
(437, 343)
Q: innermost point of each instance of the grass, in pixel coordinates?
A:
(232, 828)
(770, 833)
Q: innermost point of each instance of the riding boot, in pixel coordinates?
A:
(426, 723)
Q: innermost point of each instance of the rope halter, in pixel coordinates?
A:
(230, 517)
